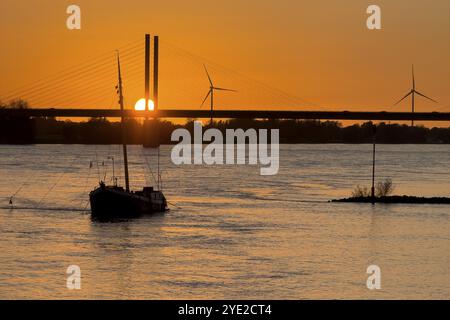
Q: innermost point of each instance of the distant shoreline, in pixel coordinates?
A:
(103, 132)
(169, 144)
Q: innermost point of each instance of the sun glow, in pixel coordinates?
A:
(140, 105)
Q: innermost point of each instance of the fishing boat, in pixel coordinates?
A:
(116, 201)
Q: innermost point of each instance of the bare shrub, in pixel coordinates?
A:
(360, 192)
(385, 188)
(382, 189)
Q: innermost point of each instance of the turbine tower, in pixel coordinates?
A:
(412, 93)
(211, 93)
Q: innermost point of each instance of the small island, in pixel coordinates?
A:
(396, 199)
(382, 195)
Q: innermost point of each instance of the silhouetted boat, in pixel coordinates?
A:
(115, 201)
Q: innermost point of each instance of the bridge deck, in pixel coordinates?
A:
(237, 114)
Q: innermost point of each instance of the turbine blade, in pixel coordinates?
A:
(209, 78)
(224, 89)
(409, 93)
(209, 92)
(413, 78)
(420, 94)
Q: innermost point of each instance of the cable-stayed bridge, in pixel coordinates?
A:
(88, 90)
(233, 114)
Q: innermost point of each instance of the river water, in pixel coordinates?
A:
(231, 233)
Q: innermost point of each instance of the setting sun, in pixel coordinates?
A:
(140, 105)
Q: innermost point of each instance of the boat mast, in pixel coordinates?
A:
(124, 145)
(156, 98)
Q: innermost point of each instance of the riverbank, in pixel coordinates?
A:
(101, 131)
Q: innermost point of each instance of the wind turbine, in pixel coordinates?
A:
(412, 93)
(211, 93)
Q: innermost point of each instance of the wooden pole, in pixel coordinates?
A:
(373, 162)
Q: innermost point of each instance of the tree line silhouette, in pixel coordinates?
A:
(16, 130)
(24, 130)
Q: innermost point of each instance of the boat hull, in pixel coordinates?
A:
(115, 202)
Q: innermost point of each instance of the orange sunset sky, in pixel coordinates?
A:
(318, 53)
